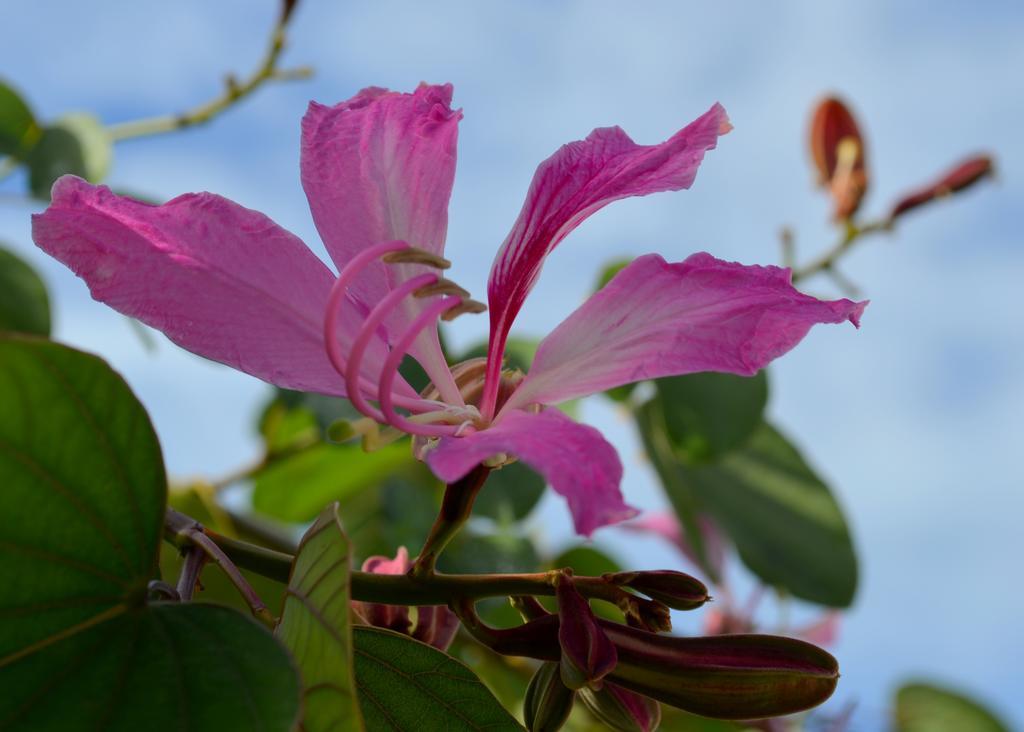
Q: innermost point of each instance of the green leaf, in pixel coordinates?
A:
(76, 144)
(296, 488)
(408, 686)
(24, 304)
(708, 414)
(166, 667)
(611, 269)
(519, 353)
(82, 495)
(510, 493)
(922, 707)
(585, 560)
(315, 626)
(286, 428)
(18, 127)
(788, 528)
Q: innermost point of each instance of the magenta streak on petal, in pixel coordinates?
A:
(218, 279)
(425, 319)
(578, 180)
(338, 296)
(366, 336)
(660, 319)
(378, 167)
(574, 458)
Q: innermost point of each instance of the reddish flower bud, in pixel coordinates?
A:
(678, 590)
(962, 176)
(548, 701)
(837, 148)
(649, 615)
(436, 625)
(622, 710)
(587, 654)
(392, 617)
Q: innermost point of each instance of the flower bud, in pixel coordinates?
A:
(436, 625)
(548, 701)
(678, 590)
(622, 710)
(837, 148)
(964, 175)
(587, 654)
(649, 615)
(392, 617)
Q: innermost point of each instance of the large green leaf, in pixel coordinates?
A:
(510, 494)
(77, 144)
(82, 494)
(408, 686)
(708, 414)
(315, 626)
(296, 488)
(788, 528)
(18, 128)
(922, 707)
(24, 304)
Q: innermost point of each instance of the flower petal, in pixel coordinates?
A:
(218, 279)
(660, 319)
(380, 167)
(574, 458)
(575, 182)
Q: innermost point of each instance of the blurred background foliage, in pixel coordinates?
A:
(730, 475)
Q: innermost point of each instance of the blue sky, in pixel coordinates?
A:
(915, 419)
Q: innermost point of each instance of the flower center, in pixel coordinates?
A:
(434, 417)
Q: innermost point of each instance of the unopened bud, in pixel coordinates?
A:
(436, 625)
(622, 710)
(963, 176)
(678, 590)
(837, 148)
(392, 617)
(649, 615)
(587, 653)
(548, 701)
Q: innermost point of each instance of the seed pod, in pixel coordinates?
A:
(548, 701)
(587, 654)
(678, 590)
(837, 148)
(964, 175)
(622, 710)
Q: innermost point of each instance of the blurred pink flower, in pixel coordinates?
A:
(435, 624)
(229, 284)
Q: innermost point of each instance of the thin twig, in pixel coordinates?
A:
(827, 261)
(234, 92)
(191, 569)
(456, 508)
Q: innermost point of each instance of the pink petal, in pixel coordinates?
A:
(218, 279)
(659, 319)
(578, 180)
(380, 167)
(379, 564)
(667, 526)
(576, 460)
(822, 632)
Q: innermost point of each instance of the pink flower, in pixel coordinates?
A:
(229, 284)
(435, 624)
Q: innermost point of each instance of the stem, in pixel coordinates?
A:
(192, 567)
(233, 93)
(390, 589)
(189, 535)
(456, 508)
(827, 261)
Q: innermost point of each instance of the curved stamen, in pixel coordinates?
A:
(425, 319)
(348, 273)
(369, 330)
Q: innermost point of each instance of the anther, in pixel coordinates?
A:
(466, 306)
(442, 287)
(415, 255)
